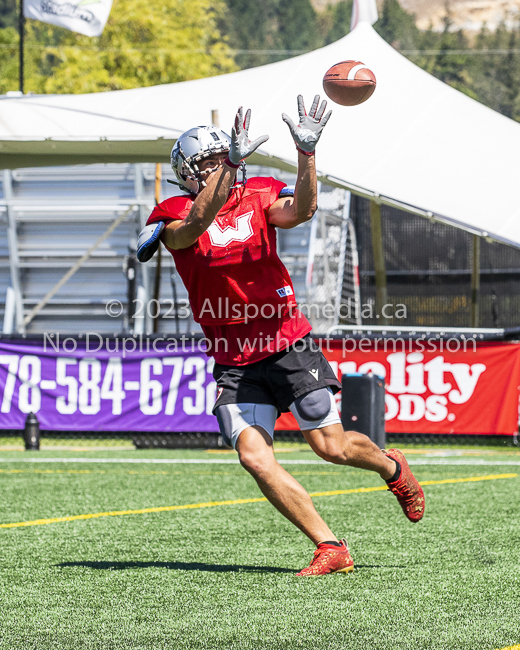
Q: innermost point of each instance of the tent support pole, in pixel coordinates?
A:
(475, 281)
(379, 260)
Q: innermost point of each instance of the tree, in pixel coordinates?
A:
(251, 26)
(334, 22)
(270, 29)
(297, 25)
(8, 14)
(450, 65)
(506, 72)
(145, 42)
(497, 72)
(397, 26)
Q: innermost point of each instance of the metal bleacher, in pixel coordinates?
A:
(49, 217)
(59, 213)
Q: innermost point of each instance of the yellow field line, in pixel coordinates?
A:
(141, 511)
(489, 477)
(512, 647)
(212, 504)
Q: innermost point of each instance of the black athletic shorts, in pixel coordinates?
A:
(278, 379)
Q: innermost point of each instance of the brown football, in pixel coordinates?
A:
(349, 83)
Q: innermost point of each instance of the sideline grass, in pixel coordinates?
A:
(223, 578)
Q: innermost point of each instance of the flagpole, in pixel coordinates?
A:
(21, 30)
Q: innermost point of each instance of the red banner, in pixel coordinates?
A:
(436, 386)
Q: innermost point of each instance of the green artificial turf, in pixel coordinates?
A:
(10, 442)
(223, 577)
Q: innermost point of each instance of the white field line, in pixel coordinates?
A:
(234, 461)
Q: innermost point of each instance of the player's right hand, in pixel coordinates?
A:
(241, 145)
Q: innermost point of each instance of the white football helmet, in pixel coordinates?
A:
(192, 147)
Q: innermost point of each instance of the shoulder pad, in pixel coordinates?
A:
(148, 241)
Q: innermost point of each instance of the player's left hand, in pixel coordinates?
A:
(241, 145)
(307, 133)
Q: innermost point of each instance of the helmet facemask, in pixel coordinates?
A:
(191, 149)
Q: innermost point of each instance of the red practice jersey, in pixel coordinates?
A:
(238, 287)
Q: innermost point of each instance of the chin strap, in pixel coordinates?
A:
(243, 170)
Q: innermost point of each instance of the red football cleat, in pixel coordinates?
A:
(407, 489)
(329, 559)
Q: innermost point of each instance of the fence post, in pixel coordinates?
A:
(379, 260)
(475, 281)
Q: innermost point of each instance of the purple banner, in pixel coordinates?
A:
(107, 385)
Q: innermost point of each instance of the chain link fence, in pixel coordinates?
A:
(117, 441)
(428, 268)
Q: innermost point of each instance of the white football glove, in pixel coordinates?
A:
(241, 145)
(307, 133)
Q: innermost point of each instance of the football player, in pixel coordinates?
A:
(222, 235)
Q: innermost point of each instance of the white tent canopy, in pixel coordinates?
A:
(416, 142)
